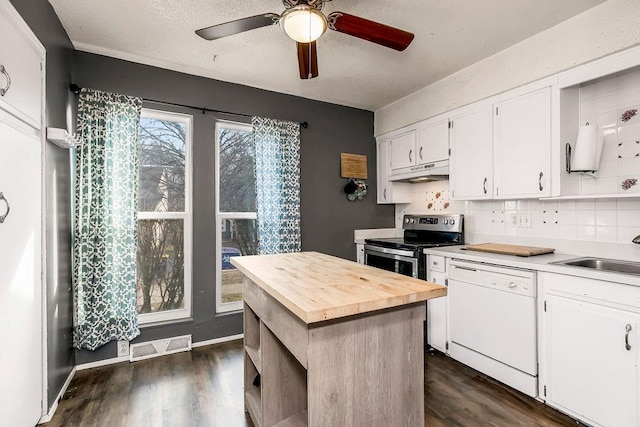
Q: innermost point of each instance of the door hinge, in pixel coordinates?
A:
(497, 191)
(450, 124)
(449, 151)
(446, 345)
(544, 391)
(496, 111)
(453, 193)
(446, 282)
(545, 306)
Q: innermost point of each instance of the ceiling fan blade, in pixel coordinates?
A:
(238, 26)
(369, 30)
(308, 60)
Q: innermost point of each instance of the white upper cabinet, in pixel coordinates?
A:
(522, 146)
(471, 162)
(402, 150)
(432, 142)
(21, 58)
(389, 192)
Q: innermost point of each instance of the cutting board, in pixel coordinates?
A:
(499, 248)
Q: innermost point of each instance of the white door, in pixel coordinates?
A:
(592, 371)
(471, 162)
(384, 190)
(20, 274)
(437, 316)
(522, 130)
(402, 149)
(433, 142)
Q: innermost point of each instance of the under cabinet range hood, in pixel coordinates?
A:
(435, 171)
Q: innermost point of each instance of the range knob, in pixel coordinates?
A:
(406, 220)
(411, 221)
(453, 221)
(445, 221)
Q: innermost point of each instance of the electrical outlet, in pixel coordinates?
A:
(123, 348)
(521, 220)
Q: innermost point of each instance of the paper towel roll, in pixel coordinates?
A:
(586, 156)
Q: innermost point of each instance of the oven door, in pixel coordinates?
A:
(397, 260)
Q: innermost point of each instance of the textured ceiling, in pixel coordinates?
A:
(450, 35)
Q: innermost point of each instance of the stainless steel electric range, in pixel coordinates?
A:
(404, 255)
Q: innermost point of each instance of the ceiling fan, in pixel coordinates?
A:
(304, 22)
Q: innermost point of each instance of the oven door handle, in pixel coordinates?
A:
(387, 251)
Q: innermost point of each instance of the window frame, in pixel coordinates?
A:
(220, 216)
(150, 319)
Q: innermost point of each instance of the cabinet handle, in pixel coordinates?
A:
(384, 194)
(626, 337)
(484, 186)
(410, 152)
(540, 181)
(3, 91)
(2, 217)
(420, 153)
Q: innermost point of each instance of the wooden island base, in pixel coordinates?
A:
(349, 370)
(362, 370)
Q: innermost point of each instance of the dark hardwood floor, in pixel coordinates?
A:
(204, 388)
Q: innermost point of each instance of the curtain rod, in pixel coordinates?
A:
(76, 89)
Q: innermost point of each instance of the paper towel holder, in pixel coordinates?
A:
(568, 158)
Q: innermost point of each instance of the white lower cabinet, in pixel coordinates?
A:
(360, 253)
(589, 343)
(437, 331)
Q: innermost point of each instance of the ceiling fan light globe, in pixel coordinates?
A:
(303, 23)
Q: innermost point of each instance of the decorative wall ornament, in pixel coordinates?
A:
(627, 115)
(628, 183)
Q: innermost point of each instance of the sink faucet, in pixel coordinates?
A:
(636, 240)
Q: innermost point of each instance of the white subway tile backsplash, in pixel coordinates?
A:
(607, 185)
(606, 234)
(608, 169)
(586, 232)
(629, 166)
(627, 234)
(568, 232)
(586, 217)
(606, 87)
(567, 217)
(624, 204)
(606, 218)
(585, 205)
(628, 218)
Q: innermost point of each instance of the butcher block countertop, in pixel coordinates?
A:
(318, 287)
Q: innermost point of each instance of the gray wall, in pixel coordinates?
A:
(39, 15)
(327, 218)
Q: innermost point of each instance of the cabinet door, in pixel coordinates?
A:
(591, 370)
(388, 191)
(402, 149)
(21, 57)
(432, 142)
(471, 162)
(20, 273)
(437, 316)
(522, 150)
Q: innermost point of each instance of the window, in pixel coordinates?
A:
(236, 232)
(163, 260)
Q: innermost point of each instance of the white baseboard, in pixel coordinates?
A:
(115, 360)
(49, 415)
(218, 340)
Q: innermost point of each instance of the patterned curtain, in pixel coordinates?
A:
(105, 219)
(278, 185)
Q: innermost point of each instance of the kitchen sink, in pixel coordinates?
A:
(602, 264)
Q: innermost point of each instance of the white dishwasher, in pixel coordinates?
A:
(492, 319)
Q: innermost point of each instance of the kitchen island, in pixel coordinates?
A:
(329, 342)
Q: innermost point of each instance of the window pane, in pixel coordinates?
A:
(237, 176)
(162, 147)
(239, 237)
(160, 264)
